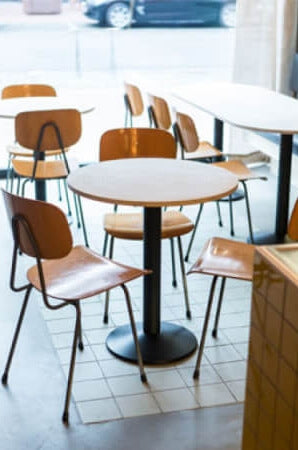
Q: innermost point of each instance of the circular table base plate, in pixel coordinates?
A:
(172, 344)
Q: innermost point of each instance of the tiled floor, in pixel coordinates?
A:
(106, 388)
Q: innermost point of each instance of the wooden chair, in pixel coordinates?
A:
(135, 143)
(41, 131)
(24, 90)
(62, 272)
(159, 113)
(187, 136)
(133, 102)
(228, 259)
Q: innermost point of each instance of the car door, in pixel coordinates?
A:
(171, 11)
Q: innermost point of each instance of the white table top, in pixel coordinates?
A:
(244, 106)
(152, 182)
(9, 108)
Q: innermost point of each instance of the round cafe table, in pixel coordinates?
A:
(11, 107)
(152, 183)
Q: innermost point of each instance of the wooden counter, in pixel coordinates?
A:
(271, 404)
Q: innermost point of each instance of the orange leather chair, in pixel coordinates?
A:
(62, 272)
(225, 258)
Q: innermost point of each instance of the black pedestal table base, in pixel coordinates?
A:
(172, 344)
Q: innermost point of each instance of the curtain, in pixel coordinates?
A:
(265, 44)
(266, 32)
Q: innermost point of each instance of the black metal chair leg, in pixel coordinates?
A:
(82, 221)
(196, 373)
(12, 177)
(16, 334)
(251, 235)
(218, 309)
(174, 277)
(126, 116)
(194, 231)
(80, 336)
(184, 282)
(18, 185)
(67, 198)
(105, 244)
(59, 190)
(77, 210)
(220, 223)
(72, 364)
(23, 186)
(232, 232)
(135, 336)
(8, 171)
(107, 296)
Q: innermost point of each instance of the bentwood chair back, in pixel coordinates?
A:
(28, 90)
(159, 112)
(48, 130)
(135, 143)
(188, 139)
(62, 272)
(224, 258)
(133, 101)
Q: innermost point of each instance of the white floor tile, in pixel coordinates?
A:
(99, 410)
(235, 335)
(207, 376)
(85, 371)
(97, 336)
(81, 356)
(238, 389)
(232, 370)
(221, 354)
(175, 400)
(242, 349)
(212, 394)
(138, 405)
(127, 385)
(116, 368)
(101, 352)
(61, 325)
(167, 379)
(91, 390)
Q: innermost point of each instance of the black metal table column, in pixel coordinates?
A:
(283, 194)
(218, 134)
(160, 342)
(40, 185)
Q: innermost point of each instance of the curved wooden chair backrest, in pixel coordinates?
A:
(28, 90)
(135, 100)
(28, 126)
(187, 132)
(46, 223)
(136, 143)
(293, 224)
(161, 112)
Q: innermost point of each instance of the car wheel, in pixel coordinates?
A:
(227, 17)
(118, 15)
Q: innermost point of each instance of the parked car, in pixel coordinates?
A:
(122, 13)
